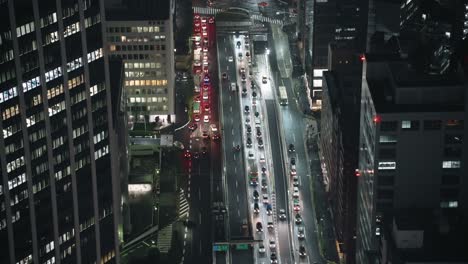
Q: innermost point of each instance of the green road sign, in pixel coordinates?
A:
(242, 246)
(220, 247)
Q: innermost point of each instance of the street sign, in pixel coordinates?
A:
(220, 247)
(242, 246)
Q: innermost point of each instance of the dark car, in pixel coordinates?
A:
(273, 258)
(264, 169)
(256, 194)
(254, 94)
(260, 142)
(259, 227)
(243, 76)
(259, 132)
(264, 184)
(244, 91)
(247, 109)
(256, 208)
(291, 148)
(249, 129)
(293, 161)
(238, 44)
(298, 219)
(302, 251)
(249, 142)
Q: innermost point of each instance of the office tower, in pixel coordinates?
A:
(140, 32)
(339, 141)
(332, 21)
(412, 148)
(58, 196)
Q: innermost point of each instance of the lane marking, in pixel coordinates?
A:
(230, 108)
(200, 247)
(235, 170)
(238, 213)
(199, 195)
(236, 183)
(294, 137)
(199, 218)
(237, 198)
(232, 131)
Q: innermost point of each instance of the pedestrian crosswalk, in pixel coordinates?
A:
(165, 239)
(214, 11)
(183, 206)
(206, 10)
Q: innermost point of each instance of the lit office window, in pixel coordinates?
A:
(387, 165)
(450, 164)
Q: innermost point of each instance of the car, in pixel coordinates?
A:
(192, 127)
(269, 209)
(282, 214)
(302, 251)
(238, 44)
(256, 194)
(249, 142)
(293, 161)
(272, 244)
(230, 59)
(196, 118)
(247, 54)
(296, 192)
(264, 184)
(300, 232)
(205, 57)
(264, 169)
(206, 119)
(296, 205)
(244, 91)
(254, 94)
(298, 218)
(260, 142)
(203, 19)
(295, 181)
(225, 76)
(205, 49)
(207, 108)
(251, 155)
(261, 249)
(259, 227)
(249, 129)
(256, 208)
(273, 258)
(264, 79)
(246, 109)
(205, 40)
(242, 70)
(187, 154)
(243, 76)
(265, 198)
(262, 159)
(204, 150)
(196, 155)
(206, 79)
(258, 131)
(291, 148)
(239, 55)
(206, 87)
(293, 172)
(233, 87)
(197, 43)
(252, 85)
(211, 20)
(247, 121)
(213, 128)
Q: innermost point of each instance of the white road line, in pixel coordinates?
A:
(230, 108)
(236, 184)
(237, 198)
(230, 97)
(200, 247)
(199, 195)
(232, 121)
(199, 218)
(238, 213)
(234, 157)
(232, 131)
(294, 138)
(185, 236)
(235, 170)
(227, 67)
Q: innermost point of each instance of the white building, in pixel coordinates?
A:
(140, 32)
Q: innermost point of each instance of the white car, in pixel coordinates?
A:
(206, 119)
(230, 59)
(261, 249)
(262, 158)
(205, 49)
(251, 155)
(272, 244)
(265, 198)
(296, 192)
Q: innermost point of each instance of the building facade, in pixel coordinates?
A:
(339, 141)
(58, 196)
(141, 33)
(411, 150)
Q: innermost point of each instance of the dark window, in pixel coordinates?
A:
(453, 139)
(450, 179)
(452, 152)
(387, 180)
(384, 194)
(432, 124)
(388, 126)
(387, 153)
(449, 193)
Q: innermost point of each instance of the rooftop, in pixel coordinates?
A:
(136, 10)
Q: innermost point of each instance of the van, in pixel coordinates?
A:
(270, 222)
(257, 122)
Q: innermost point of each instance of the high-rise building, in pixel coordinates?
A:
(339, 141)
(58, 195)
(412, 148)
(141, 33)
